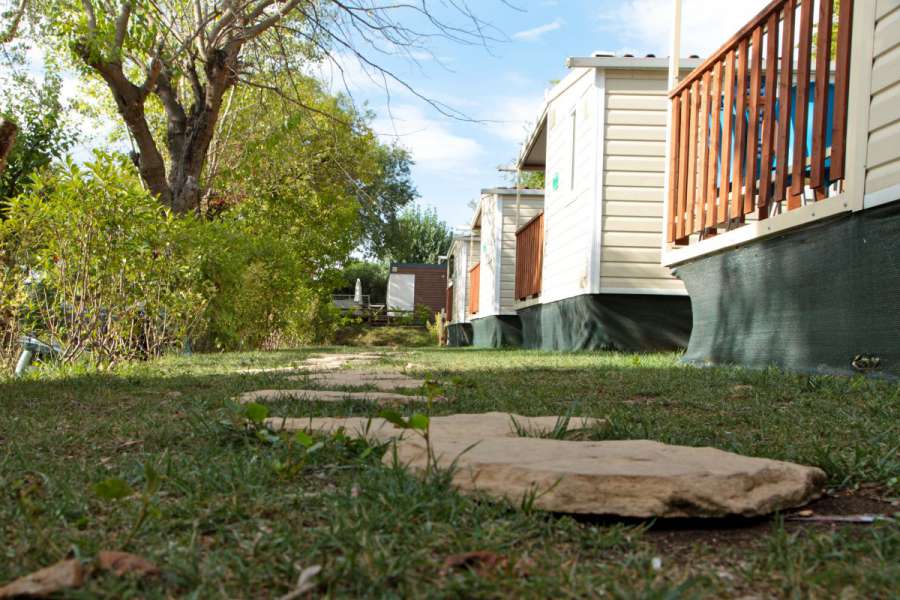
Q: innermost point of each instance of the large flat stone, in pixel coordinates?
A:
(470, 427)
(384, 381)
(632, 478)
(325, 396)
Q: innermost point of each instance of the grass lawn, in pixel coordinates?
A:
(236, 516)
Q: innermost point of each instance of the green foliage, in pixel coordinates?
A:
(98, 267)
(418, 236)
(372, 275)
(44, 134)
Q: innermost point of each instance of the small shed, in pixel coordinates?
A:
(414, 285)
(500, 215)
(591, 277)
(461, 257)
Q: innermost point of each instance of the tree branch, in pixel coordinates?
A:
(13, 29)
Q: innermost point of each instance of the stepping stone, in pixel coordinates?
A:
(631, 478)
(326, 396)
(323, 362)
(383, 381)
(472, 427)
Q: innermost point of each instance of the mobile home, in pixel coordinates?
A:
(783, 203)
(414, 286)
(462, 256)
(590, 272)
(500, 215)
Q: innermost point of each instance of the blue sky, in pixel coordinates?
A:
(499, 88)
(502, 87)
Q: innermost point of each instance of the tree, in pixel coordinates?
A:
(43, 133)
(418, 236)
(13, 18)
(188, 55)
(8, 132)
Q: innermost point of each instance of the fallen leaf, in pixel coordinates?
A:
(479, 561)
(125, 563)
(62, 575)
(305, 583)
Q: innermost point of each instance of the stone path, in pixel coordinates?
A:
(631, 478)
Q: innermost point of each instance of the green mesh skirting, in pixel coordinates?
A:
(497, 331)
(809, 300)
(629, 322)
(459, 334)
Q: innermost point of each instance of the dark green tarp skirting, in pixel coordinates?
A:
(497, 331)
(459, 334)
(809, 300)
(627, 322)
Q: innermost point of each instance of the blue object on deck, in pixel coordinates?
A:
(829, 120)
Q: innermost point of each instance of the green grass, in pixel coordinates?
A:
(237, 516)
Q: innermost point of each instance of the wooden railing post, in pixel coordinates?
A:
(749, 127)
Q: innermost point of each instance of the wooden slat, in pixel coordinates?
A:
(700, 216)
(768, 131)
(684, 136)
(820, 109)
(801, 112)
(692, 205)
(474, 288)
(752, 147)
(673, 167)
(714, 101)
(725, 162)
(772, 8)
(740, 131)
(530, 258)
(841, 88)
(784, 99)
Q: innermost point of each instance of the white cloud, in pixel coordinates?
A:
(706, 24)
(534, 34)
(433, 145)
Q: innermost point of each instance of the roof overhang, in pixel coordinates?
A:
(534, 154)
(628, 62)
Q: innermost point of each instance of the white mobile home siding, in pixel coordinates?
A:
(529, 207)
(883, 158)
(463, 251)
(634, 144)
(569, 209)
(490, 255)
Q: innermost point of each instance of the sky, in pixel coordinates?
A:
(499, 89)
(494, 91)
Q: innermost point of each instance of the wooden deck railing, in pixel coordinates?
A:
(530, 258)
(761, 125)
(474, 287)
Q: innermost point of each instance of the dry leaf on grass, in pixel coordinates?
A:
(305, 583)
(125, 563)
(63, 575)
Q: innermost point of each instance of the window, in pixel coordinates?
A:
(572, 155)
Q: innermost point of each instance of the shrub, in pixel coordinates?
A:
(97, 266)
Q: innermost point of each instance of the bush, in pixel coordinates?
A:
(91, 262)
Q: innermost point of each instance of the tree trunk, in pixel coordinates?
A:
(8, 131)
